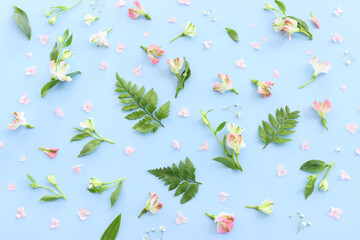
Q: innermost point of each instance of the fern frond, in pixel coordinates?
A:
(181, 178)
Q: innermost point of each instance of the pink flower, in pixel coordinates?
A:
(305, 146)
(344, 175)
(51, 152)
(83, 213)
(181, 218)
(265, 39)
(21, 213)
(29, 54)
(77, 168)
(255, 45)
(43, 38)
(335, 213)
(54, 223)
(223, 196)
(234, 139)
(240, 63)
(287, 25)
(100, 38)
(87, 107)
(263, 87)
(226, 84)
(1, 144)
(153, 51)
(308, 52)
(204, 147)
(59, 112)
(120, 47)
(137, 71)
(24, 99)
(120, 3)
(225, 221)
(103, 65)
(357, 150)
(185, 2)
(207, 44)
(175, 65)
(30, 70)
(176, 145)
(152, 205)
(22, 158)
(314, 20)
(139, 10)
(351, 127)
(11, 186)
(146, 34)
(276, 74)
(337, 38)
(129, 150)
(338, 10)
(281, 171)
(322, 109)
(172, 20)
(183, 112)
(18, 121)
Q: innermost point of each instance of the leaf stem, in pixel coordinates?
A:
(63, 195)
(178, 85)
(181, 35)
(312, 79)
(253, 207)
(50, 190)
(142, 212)
(104, 139)
(210, 216)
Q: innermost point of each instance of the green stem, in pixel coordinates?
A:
(234, 90)
(104, 139)
(107, 31)
(322, 170)
(323, 121)
(211, 216)
(256, 207)
(238, 163)
(330, 167)
(142, 212)
(63, 195)
(50, 190)
(144, 48)
(178, 85)
(181, 35)
(119, 180)
(312, 79)
(74, 5)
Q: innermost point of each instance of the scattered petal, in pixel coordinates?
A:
(54, 223)
(120, 3)
(185, 2)
(357, 150)
(172, 20)
(343, 87)
(43, 38)
(338, 149)
(176, 145)
(77, 168)
(240, 63)
(87, 107)
(183, 112)
(146, 34)
(335, 213)
(281, 171)
(308, 52)
(29, 54)
(30, 70)
(265, 39)
(103, 65)
(204, 147)
(83, 213)
(344, 175)
(223, 196)
(22, 158)
(11, 186)
(337, 38)
(181, 218)
(305, 146)
(21, 213)
(24, 99)
(276, 74)
(338, 10)
(1, 144)
(137, 71)
(59, 112)
(351, 127)
(207, 44)
(255, 45)
(129, 150)
(120, 47)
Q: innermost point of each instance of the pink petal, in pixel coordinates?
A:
(281, 171)
(172, 20)
(22, 158)
(43, 38)
(204, 147)
(181, 218)
(357, 151)
(176, 145)
(265, 39)
(1, 144)
(351, 127)
(120, 3)
(308, 52)
(29, 54)
(240, 63)
(255, 45)
(30, 70)
(11, 186)
(59, 112)
(103, 65)
(146, 34)
(207, 44)
(137, 71)
(87, 107)
(120, 48)
(77, 168)
(343, 87)
(24, 99)
(183, 112)
(129, 150)
(305, 146)
(344, 175)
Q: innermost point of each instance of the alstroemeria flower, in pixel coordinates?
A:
(287, 25)
(266, 207)
(190, 30)
(89, 123)
(51, 152)
(322, 109)
(234, 140)
(60, 71)
(19, 121)
(175, 65)
(100, 38)
(153, 51)
(225, 221)
(88, 19)
(66, 55)
(136, 12)
(152, 205)
(263, 87)
(225, 85)
(318, 68)
(314, 20)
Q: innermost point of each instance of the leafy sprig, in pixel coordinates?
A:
(279, 126)
(181, 178)
(316, 166)
(181, 78)
(144, 104)
(89, 130)
(112, 230)
(22, 21)
(58, 10)
(51, 179)
(97, 186)
(232, 34)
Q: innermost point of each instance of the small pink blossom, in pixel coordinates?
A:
(335, 213)
(309, 52)
(152, 205)
(322, 108)
(137, 71)
(223, 196)
(172, 20)
(225, 85)
(30, 70)
(185, 2)
(357, 150)
(139, 10)
(59, 112)
(181, 218)
(175, 64)
(281, 171)
(351, 127)
(146, 34)
(255, 45)
(207, 44)
(120, 47)
(87, 107)
(204, 147)
(263, 87)
(51, 152)
(21, 213)
(343, 87)
(29, 54)
(338, 10)
(154, 51)
(43, 38)
(11, 186)
(129, 150)
(337, 38)
(225, 221)
(22, 158)
(240, 63)
(83, 213)
(276, 74)
(305, 146)
(54, 223)
(314, 20)
(24, 99)
(265, 39)
(77, 168)
(344, 175)
(183, 112)
(176, 145)
(1, 144)
(103, 65)
(120, 3)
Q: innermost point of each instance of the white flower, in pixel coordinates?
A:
(320, 68)
(88, 19)
(100, 38)
(60, 71)
(190, 30)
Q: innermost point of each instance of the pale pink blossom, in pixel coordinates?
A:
(351, 127)
(204, 147)
(223, 196)
(43, 38)
(77, 168)
(103, 65)
(129, 150)
(152, 205)
(226, 84)
(287, 25)
(120, 3)
(183, 112)
(357, 150)
(176, 145)
(139, 10)
(83, 213)
(314, 20)
(234, 139)
(305, 146)
(59, 112)
(87, 107)
(207, 44)
(30, 70)
(322, 108)
(338, 10)
(120, 47)
(175, 64)
(146, 34)
(255, 45)
(29, 54)
(172, 20)
(185, 2)
(11, 186)
(100, 38)
(309, 52)
(54, 223)
(335, 213)
(21, 213)
(265, 39)
(181, 218)
(240, 63)
(344, 175)
(337, 38)
(281, 171)
(276, 74)
(1, 144)
(343, 88)
(263, 87)
(225, 221)
(51, 152)
(19, 120)
(137, 71)
(22, 158)
(24, 99)
(153, 51)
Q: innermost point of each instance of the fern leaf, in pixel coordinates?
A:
(279, 126)
(181, 178)
(145, 104)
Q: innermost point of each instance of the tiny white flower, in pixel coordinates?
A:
(348, 62)
(309, 223)
(238, 115)
(347, 51)
(206, 13)
(153, 229)
(213, 19)
(338, 149)
(304, 224)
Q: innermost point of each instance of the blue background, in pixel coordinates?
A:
(258, 181)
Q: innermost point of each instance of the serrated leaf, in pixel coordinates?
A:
(79, 137)
(190, 169)
(163, 111)
(281, 140)
(48, 198)
(268, 128)
(112, 230)
(262, 134)
(89, 147)
(313, 166)
(22, 21)
(182, 170)
(232, 34)
(189, 193)
(135, 115)
(182, 188)
(115, 195)
(273, 121)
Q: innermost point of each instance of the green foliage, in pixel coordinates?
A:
(181, 178)
(281, 6)
(232, 34)
(22, 21)
(115, 195)
(90, 147)
(145, 105)
(113, 229)
(279, 126)
(313, 166)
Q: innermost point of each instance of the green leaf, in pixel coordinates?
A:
(232, 34)
(31, 179)
(113, 229)
(48, 198)
(115, 195)
(79, 137)
(220, 127)
(68, 41)
(135, 115)
(190, 169)
(273, 121)
(313, 166)
(22, 21)
(309, 188)
(54, 53)
(189, 193)
(163, 111)
(185, 75)
(281, 6)
(89, 147)
(227, 161)
(182, 188)
(45, 89)
(281, 140)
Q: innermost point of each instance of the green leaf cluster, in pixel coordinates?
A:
(112, 230)
(47, 198)
(181, 178)
(145, 105)
(22, 21)
(232, 34)
(100, 189)
(279, 126)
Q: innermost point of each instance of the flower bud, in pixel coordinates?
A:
(66, 54)
(324, 185)
(267, 206)
(204, 119)
(269, 7)
(51, 179)
(52, 20)
(94, 182)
